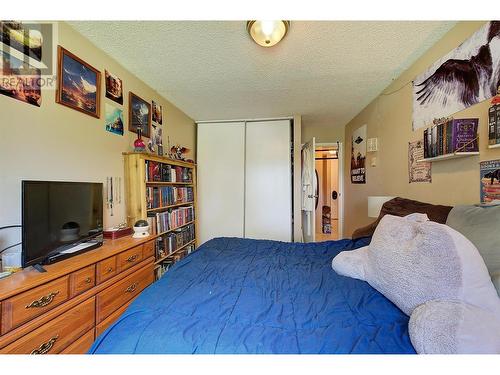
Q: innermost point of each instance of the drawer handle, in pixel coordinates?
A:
(110, 269)
(45, 347)
(133, 258)
(44, 301)
(88, 280)
(131, 288)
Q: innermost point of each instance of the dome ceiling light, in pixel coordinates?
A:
(267, 33)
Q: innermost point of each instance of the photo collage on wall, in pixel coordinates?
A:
(113, 115)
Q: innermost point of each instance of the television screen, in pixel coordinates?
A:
(58, 215)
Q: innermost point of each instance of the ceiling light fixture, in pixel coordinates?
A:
(267, 33)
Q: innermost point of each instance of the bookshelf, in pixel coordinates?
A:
(454, 155)
(163, 192)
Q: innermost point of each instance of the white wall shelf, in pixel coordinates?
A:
(494, 146)
(455, 155)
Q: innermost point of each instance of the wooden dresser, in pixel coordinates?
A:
(64, 309)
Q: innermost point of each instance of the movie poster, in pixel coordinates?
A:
(490, 181)
(418, 171)
(358, 156)
(465, 76)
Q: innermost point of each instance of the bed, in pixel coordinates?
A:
(257, 296)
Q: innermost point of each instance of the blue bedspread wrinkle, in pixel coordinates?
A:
(238, 295)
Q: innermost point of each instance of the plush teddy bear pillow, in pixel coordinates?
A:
(411, 260)
(452, 327)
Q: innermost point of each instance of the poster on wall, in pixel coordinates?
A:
(490, 181)
(358, 156)
(114, 119)
(467, 75)
(418, 171)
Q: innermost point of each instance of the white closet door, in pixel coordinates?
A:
(268, 181)
(221, 177)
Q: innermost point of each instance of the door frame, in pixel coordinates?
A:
(340, 155)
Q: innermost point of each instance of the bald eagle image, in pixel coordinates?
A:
(466, 76)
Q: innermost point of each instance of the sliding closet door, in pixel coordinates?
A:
(221, 175)
(268, 181)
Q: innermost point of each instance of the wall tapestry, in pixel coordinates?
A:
(358, 156)
(418, 171)
(490, 180)
(467, 75)
(114, 119)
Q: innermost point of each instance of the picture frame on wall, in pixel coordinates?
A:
(157, 113)
(114, 87)
(78, 84)
(139, 115)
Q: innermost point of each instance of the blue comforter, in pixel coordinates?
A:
(256, 296)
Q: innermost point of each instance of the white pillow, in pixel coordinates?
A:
(452, 327)
(411, 262)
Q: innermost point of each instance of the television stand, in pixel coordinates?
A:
(39, 268)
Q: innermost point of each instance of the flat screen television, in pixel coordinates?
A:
(59, 220)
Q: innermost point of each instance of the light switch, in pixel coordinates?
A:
(374, 161)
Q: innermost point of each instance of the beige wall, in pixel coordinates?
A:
(323, 132)
(54, 142)
(389, 118)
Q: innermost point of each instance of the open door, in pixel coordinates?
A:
(308, 191)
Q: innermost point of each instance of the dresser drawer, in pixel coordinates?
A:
(148, 249)
(101, 327)
(106, 269)
(59, 333)
(81, 280)
(129, 258)
(110, 299)
(82, 345)
(28, 305)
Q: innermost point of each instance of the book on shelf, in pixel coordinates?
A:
(170, 219)
(492, 124)
(157, 197)
(454, 135)
(497, 128)
(163, 172)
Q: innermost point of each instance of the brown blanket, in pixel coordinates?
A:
(402, 207)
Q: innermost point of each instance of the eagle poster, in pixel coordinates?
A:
(358, 156)
(467, 75)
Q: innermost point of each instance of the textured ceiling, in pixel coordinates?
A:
(325, 71)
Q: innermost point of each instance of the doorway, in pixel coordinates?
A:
(327, 195)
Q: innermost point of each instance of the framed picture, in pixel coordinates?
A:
(157, 113)
(114, 119)
(19, 82)
(114, 87)
(25, 40)
(139, 115)
(78, 84)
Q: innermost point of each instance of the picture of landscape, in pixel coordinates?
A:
(27, 41)
(79, 84)
(19, 82)
(139, 115)
(114, 119)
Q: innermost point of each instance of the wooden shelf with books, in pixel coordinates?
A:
(174, 252)
(170, 206)
(454, 155)
(162, 191)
